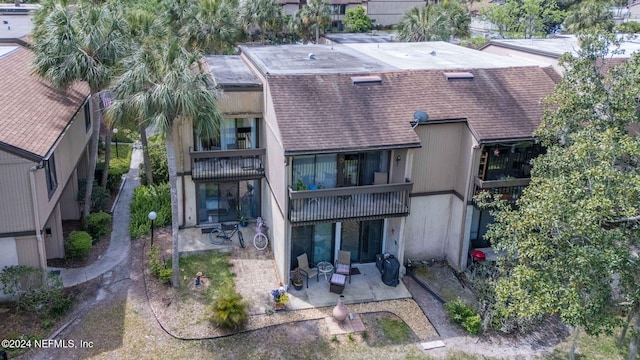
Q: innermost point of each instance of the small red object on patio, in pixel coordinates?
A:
(478, 255)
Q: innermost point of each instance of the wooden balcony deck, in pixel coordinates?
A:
(349, 203)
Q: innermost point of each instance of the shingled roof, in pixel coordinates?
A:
(33, 114)
(325, 113)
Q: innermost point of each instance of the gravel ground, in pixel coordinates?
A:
(118, 316)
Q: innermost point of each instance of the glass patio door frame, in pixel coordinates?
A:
(357, 258)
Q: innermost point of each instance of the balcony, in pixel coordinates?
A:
(510, 189)
(227, 164)
(349, 203)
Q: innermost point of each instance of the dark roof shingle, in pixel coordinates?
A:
(323, 113)
(33, 114)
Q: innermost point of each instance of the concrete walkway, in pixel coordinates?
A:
(120, 239)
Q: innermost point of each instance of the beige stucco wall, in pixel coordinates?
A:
(27, 249)
(442, 172)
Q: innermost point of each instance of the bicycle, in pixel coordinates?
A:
(260, 241)
(224, 232)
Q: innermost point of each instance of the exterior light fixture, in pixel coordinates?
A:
(152, 217)
(115, 138)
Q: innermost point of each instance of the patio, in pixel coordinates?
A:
(256, 276)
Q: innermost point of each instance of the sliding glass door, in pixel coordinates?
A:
(363, 239)
(314, 240)
(226, 202)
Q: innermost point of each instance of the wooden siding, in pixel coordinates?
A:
(67, 154)
(437, 166)
(16, 212)
(27, 248)
(241, 103)
(69, 205)
(465, 161)
(389, 12)
(54, 242)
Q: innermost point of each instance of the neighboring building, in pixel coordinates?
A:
(381, 12)
(44, 134)
(548, 51)
(321, 142)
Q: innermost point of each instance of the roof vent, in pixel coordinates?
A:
(458, 76)
(366, 80)
(312, 56)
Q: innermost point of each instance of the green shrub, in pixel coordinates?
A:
(146, 199)
(79, 245)
(464, 315)
(25, 284)
(157, 268)
(158, 159)
(629, 27)
(98, 224)
(99, 196)
(228, 310)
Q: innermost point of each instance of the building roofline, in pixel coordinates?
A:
(522, 48)
(20, 152)
(346, 150)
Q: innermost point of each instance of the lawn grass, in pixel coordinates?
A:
(215, 268)
(592, 347)
(394, 330)
(124, 155)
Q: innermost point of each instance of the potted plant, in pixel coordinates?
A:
(280, 298)
(242, 219)
(297, 279)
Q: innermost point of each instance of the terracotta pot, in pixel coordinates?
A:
(278, 306)
(340, 311)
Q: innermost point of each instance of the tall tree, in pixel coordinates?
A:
(356, 20)
(80, 42)
(575, 228)
(211, 26)
(589, 15)
(317, 14)
(428, 23)
(167, 85)
(459, 18)
(263, 14)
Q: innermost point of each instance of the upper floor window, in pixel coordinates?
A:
(234, 134)
(50, 173)
(338, 170)
(338, 9)
(506, 161)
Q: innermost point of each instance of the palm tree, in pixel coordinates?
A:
(428, 23)
(262, 14)
(211, 26)
(165, 84)
(589, 15)
(316, 13)
(459, 18)
(80, 42)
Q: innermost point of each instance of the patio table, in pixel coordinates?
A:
(326, 269)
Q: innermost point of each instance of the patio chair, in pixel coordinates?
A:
(343, 264)
(307, 269)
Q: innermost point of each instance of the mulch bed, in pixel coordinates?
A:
(97, 250)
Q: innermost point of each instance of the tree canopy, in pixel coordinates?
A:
(525, 19)
(356, 20)
(575, 228)
(434, 22)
